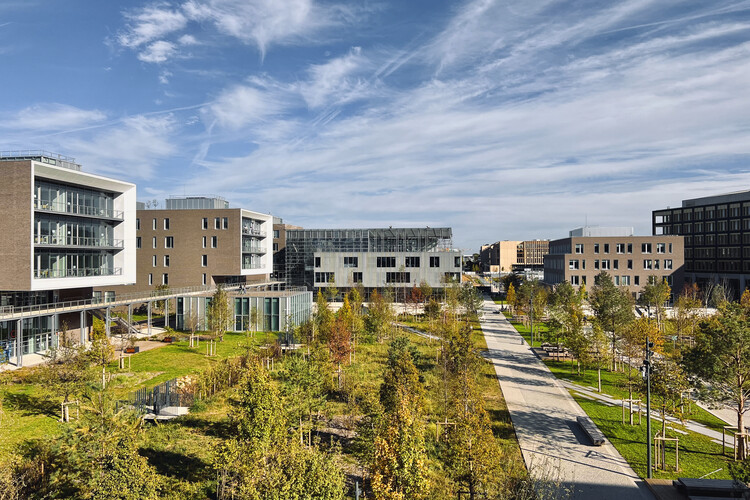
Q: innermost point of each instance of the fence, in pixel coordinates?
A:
(169, 393)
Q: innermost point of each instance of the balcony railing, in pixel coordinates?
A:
(64, 208)
(78, 242)
(251, 231)
(77, 273)
(253, 249)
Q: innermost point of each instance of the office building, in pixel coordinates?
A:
(377, 259)
(500, 256)
(279, 247)
(717, 239)
(629, 259)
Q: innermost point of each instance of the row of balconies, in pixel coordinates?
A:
(78, 242)
(77, 272)
(73, 209)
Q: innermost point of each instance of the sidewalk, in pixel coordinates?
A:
(543, 415)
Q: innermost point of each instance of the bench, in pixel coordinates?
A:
(594, 434)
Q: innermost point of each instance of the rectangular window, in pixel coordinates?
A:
(225, 223)
(204, 242)
(153, 225)
(661, 247)
(647, 264)
(386, 262)
(630, 248)
(620, 248)
(630, 263)
(596, 247)
(605, 264)
(204, 280)
(435, 261)
(397, 277)
(166, 224)
(606, 248)
(324, 277)
(351, 261)
(656, 263)
(166, 261)
(217, 223)
(165, 279)
(583, 264)
(456, 261)
(596, 263)
(579, 247)
(573, 264)
(636, 280)
(617, 281)
(204, 260)
(214, 241)
(575, 280)
(137, 242)
(153, 242)
(138, 224)
(357, 277)
(153, 261)
(412, 261)
(625, 280)
(276, 233)
(670, 248)
(645, 247)
(169, 242)
(668, 264)
(204, 223)
(275, 247)
(317, 261)
(615, 264)
(150, 279)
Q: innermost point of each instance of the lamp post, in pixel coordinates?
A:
(531, 316)
(647, 373)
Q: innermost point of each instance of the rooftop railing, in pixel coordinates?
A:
(41, 156)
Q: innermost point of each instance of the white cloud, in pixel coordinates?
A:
(187, 40)
(158, 52)
(52, 117)
(151, 23)
(336, 80)
(242, 105)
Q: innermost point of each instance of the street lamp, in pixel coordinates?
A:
(531, 315)
(647, 374)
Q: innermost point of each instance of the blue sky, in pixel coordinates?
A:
(502, 119)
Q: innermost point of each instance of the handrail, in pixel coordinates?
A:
(79, 241)
(78, 209)
(253, 232)
(78, 272)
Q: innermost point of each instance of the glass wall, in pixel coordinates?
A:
(71, 231)
(61, 264)
(73, 200)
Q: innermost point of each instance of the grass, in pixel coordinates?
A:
(540, 329)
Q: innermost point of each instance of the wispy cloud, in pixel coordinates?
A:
(51, 117)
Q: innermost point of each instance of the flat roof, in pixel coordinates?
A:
(732, 197)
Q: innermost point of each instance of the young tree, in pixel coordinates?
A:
(510, 297)
(471, 300)
(566, 312)
(323, 319)
(720, 361)
(613, 309)
(66, 373)
(654, 295)
(379, 321)
(634, 348)
(668, 383)
(219, 314)
(100, 352)
(687, 311)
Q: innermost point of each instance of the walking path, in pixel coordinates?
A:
(544, 417)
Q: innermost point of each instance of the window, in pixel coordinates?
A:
(596, 247)
(668, 264)
(204, 280)
(620, 248)
(138, 224)
(204, 260)
(579, 247)
(204, 242)
(351, 261)
(412, 262)
(573, 264)
(645, 247)
(169, 242)
(625, 280)
(150, 279)
(636, 280)
(606, 248)
(276, 233)
(583, 280)
(153, 225)
(153, 261)
(165, 279)
(166, 261)
(647, 264)
(317, 261)
(615, 264)
(225, 223)
(456, 261)
(357, 277)
(617, 281)
(435, 261)
(670, 248)
(630, 263)
(661, 247)
(596, 264)
(204, 223)
(217, 223)
(137, 242)
(397, 277)
(275, 247)
(583, 264)
(324, 277)
(214, 241)
(575, 280)
(630, 248)
(656, 263)
(605, 264)
(166, 224)
(153, 242)
(386, 262)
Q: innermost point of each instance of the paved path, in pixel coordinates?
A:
(543, 415)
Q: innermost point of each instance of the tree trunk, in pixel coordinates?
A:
(741, 448)
(104, 376)
(599, 374)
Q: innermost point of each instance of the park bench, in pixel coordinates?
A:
(594, 434)
(710, 488)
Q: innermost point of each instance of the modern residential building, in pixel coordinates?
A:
(279, 247)
(530, 255)
(500, 256)
(65, 232)
(717, 238)
(629, 259)
(375, 258)
(193, 243)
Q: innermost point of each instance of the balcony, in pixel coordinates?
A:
(256, 249)
(253, 231)
(83, 210)
(77, 273)
(81, 242)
